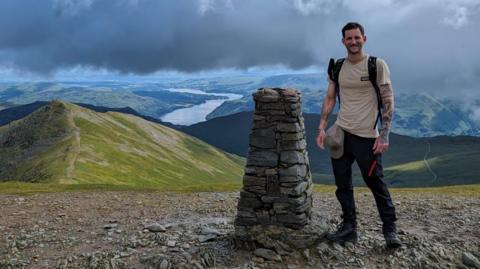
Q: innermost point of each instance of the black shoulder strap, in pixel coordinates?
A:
(334, 68)
(372, 75)
(331, 67)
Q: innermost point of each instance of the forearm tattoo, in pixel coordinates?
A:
(326, 111)
(386, 93)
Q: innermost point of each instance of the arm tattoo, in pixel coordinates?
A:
(326, 110)
(386, 93)
(328, 105)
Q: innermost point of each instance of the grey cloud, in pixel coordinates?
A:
(429, 45)
(151, 35)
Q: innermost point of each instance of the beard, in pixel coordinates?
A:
(355, 49)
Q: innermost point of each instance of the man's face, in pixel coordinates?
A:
(354, 41)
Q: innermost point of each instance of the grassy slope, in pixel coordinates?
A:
(453, 159)
(120, 149)
(126, 154)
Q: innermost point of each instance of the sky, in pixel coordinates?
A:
(429, 45)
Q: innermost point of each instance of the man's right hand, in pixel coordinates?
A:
(321, 138)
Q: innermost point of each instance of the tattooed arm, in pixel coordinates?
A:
(382, 142)
(328, 105)
(386, 93)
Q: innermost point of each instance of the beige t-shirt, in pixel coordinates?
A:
(358, 100)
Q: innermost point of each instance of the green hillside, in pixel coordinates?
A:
(67, 144)
(452, 160)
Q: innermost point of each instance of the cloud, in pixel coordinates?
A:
(460, 12)
(458, 19)
(71, 7)
(430, 45)
(315, 7)
(205, 6)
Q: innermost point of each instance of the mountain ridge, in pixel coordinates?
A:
(68, 144)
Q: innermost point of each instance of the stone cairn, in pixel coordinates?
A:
(275, 203)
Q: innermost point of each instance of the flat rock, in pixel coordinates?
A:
(110, 226)
(164, 265)
(207, 237)
(262, 158)
(155, 228)
(470, 260)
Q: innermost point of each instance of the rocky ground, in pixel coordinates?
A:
(195, 230)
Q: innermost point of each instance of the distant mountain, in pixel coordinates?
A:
(423, 115)
(299, 81)
(243, 84)
(419, 115)
(12, 113)
(64, 143)
(232, 107)
(4, 105)
(311, 85)
(19, 111)
(151, 100)
(452, 160)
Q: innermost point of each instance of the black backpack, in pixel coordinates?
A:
(334, 68)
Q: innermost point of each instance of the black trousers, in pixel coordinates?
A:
(360, 149)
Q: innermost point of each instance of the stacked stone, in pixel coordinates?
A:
(277, 185)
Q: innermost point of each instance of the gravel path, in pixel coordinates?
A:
(174, 230)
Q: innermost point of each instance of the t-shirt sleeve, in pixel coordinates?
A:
(383, 73)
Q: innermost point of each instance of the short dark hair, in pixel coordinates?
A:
(351, 26)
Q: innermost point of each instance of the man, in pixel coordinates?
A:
(362, 142)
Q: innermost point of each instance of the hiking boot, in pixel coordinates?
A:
(346, 233)
(392, 240)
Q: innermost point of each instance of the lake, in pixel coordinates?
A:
(196, 113)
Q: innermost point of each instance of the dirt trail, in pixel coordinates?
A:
(74, 150)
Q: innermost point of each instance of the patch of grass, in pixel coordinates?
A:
(459, 190)
(26, 188)
(324, 188)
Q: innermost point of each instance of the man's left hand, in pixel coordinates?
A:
(380, 146)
